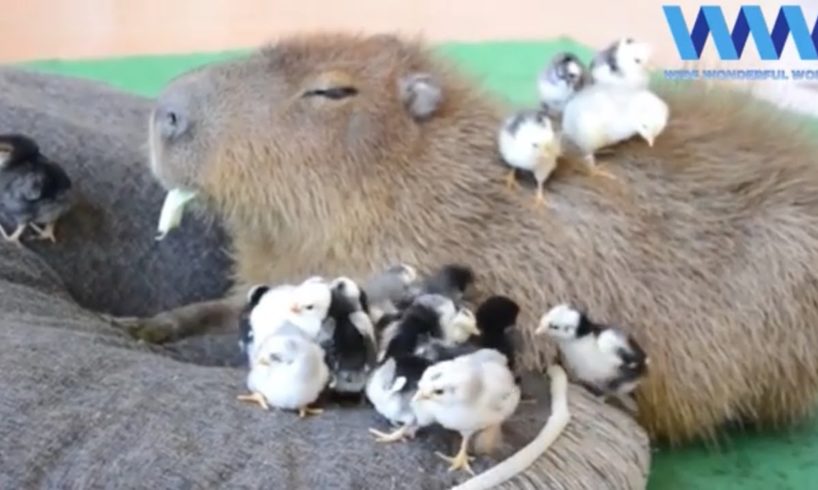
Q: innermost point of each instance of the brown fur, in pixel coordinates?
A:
(706, 249)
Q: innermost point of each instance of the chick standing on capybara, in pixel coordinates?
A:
(320, 157)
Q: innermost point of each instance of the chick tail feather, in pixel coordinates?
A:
(522, 459)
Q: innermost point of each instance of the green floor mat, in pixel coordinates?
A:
(781, 461)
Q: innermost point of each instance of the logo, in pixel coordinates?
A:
(730, 44)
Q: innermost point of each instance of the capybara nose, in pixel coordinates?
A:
(171, 118)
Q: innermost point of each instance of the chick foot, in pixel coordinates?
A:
(46, 233)
(540, 201)
(305, 411)
(255, 398)
(511, 180)
(398, 435)
(14, 237)
(460, 461)
(596, 171)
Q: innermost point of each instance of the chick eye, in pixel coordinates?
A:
(438, 392)
(334, 93)
(309, 307)
(638, 61)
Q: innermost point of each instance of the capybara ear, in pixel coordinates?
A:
(421, 95)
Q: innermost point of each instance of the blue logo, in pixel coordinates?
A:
(730, 45)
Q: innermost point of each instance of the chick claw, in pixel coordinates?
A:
(397, 435)
(459, 462)
(255, 398)
(599, 172)
(539, 200)
(15, 236)
(46, 233)
(305, 411)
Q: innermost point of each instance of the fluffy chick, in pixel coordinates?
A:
(431, 316)
(623, 64)
(34, 191)
(386, 290)
(527, 141)
(451, 281)
(601, 116)
(286, 309)
(391, 389)
(351, 349)
(469, 394)
(564, 76)
(604, 358)
(290, 374)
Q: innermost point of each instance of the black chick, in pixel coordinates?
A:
(34, 191)
(451, 281)
(351, 352)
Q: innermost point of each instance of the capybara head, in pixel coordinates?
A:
(342, 155)
(304, 111)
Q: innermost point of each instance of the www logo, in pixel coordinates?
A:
(750, 20)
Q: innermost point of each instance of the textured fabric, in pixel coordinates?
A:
(84, 406)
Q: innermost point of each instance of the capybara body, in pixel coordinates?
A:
(705, 247)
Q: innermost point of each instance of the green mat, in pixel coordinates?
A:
(766, 461)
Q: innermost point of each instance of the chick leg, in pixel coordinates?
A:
(46, 233)
(305, 411)
(594, 168)
(255, 397)
(14, 237)
(511, 179)
(460, 461)
(398, 435)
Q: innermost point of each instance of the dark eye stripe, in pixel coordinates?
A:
(334, 93)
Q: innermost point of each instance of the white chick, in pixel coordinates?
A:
(602, 116)
(623, 63)
(290, 374)
(527, 141)
(390, 389)
(468, 394)
(269, 310)
(564, 76)
(604, 358)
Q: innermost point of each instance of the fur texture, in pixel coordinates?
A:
(707, 246)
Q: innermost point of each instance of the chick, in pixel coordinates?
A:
(390, 389)
(351, 350)
(564, 76)
(290, 374)
(284, 309)
(528, 141)
(623, 63)
(604, 358)
(451, 281)
(431, 316)
(495, 319)
(601, 116)
(36, 192)
(385, 291)
(468, 394)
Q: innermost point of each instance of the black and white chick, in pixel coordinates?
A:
(528, 141)
(36, 192)
(604, 358)
(290, 374)
(469, 394)
(430, 317)
(623, 63)
(284, 309)
(351, 347)
(564, 76)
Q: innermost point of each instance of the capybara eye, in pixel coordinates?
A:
(334, 93)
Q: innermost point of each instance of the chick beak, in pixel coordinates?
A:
(263, 361)
(420, 395)
(295, 309)
(649, 139)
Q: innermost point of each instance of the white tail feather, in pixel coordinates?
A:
(522, 459)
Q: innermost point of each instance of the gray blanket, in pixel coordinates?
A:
(84, 406)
